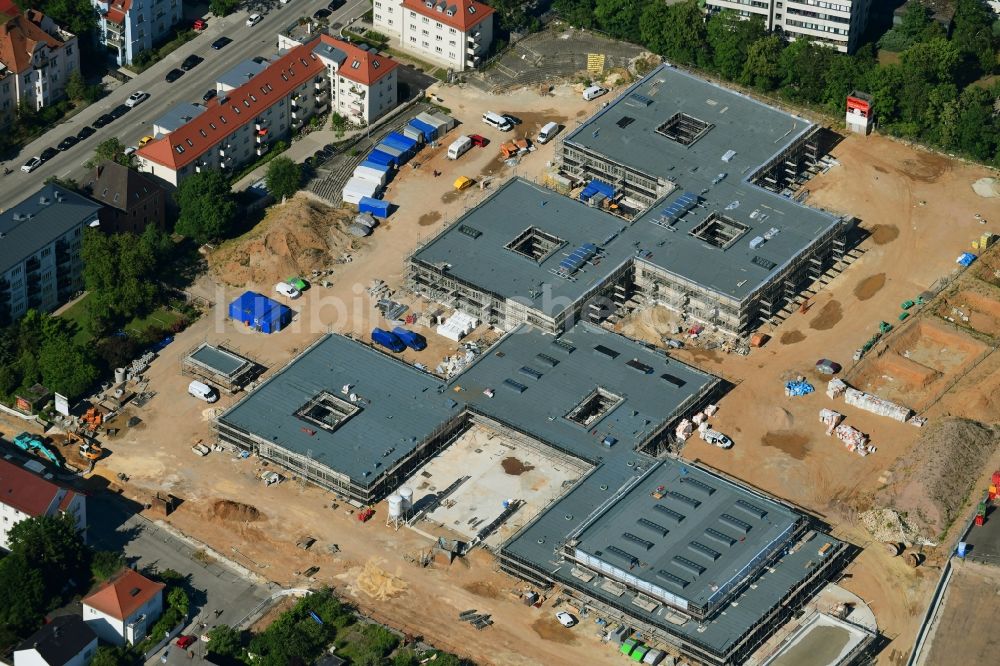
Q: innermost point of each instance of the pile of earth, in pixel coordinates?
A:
(230, 511)
(294, 239)
(932, 482)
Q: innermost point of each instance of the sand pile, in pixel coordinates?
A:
(987, 187)
(295, 238)
(931, 483)
(230, 511)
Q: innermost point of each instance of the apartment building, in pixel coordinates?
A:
(40, 264)
(456, 34)
(36, 60)
(132, 201)
(363, 82)
(24, 494)
(125, 608)
(129, 27)
(242, 123)
(835, 23)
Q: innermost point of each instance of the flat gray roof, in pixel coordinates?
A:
(403, 406)
(754, 130)
(40, 224)
(242, 73)
(219, 360)
(178, 116)
(485, 262)
(694, 541)
(540, 540)
(400, 407)
(556, 380)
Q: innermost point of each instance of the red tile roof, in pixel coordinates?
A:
(19, 36)
(242, 106)
(467, 13)
(67, 500)
(362, 66)
(25, 491)
(124, 594)
(116, 15)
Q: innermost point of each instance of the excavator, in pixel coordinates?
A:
(88, 449)
(32, 444)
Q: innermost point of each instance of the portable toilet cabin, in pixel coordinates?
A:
(376, 207)
(385, 159)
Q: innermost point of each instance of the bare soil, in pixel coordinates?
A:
(228, 510)
(870, 286)
(828, 316)
(931, 483)
(515, 467)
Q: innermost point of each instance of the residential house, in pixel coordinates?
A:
(129, 27)
(838, 24)
(36, 60)
(125, 608)
(456, 34)
(132, 201)
(65, 641)
(24, 494)
(363, 81)
(40, 263)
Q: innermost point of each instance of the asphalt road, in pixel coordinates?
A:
(260, 40)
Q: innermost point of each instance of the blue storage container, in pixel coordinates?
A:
(414, 341)
(385, 159)
(389, 150)
(260, 312)
(376, 207)
(429, 131)
(375, 165)
(397, 140)
(388, 340)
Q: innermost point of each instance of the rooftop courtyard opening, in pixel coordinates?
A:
(594, 407)
(327, 411)
(535, 244)
(719, 230)
(684, 129)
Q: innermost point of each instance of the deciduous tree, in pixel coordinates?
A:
(283, 177)
(207, 208)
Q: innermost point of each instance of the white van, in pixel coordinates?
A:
(202, 391)
(593, 92)
(547, 132)
(497, 121)
(459, 147)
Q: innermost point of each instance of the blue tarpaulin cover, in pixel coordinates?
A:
(966, 259)
(796, 387)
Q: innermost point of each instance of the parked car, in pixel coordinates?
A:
(184, 642)
(202, 391)
(144, 140)
(322, 13)
(32, 164)
(136, 98)
(103, 119)
(48, 154)
(254, 19)
(209, 94)
(199, 24)
(479, 141)
(191, 62)
(119, 111)
(514, 120)
(593, 92)
(174, 74)
(221, 43)
(288, 290)
(336, 4)
(86, 132)
(673, 343)
(718, 439)
(565, 619)
(68, 142)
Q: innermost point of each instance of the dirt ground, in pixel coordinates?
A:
(966, 626)
(901, 195)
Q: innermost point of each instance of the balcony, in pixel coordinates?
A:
(297, 122)
(225, 150)
(260, 125)
(225, 163)
(263, 149)
(319, 84)
(296, 100)
(32, 265)
(474, 37)
(321, 96)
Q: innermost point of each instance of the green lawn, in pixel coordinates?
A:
(162, 318)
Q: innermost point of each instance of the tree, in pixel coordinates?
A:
(76, 88)
(225, 641)
(675, 31)
(66, 367)
(207, 208)
(76, 16)
(110, 149)
(121, 273)
(52, 544)
(977, 132)
(178, 598)
(973, 34)
(804, 66)
(283, 177)
(730, 37)
(619, 18)
(762, 69)
(223, 7)
(579, 13)
(23, 589)
(106, 563)
(110, 656)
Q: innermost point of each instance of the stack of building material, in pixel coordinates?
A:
(457, 326)
(877, 405)
(835, 388)
(711, 410)
(684, 430)
(798, 387)
(854, 440)
(831, 418)
(699, 418)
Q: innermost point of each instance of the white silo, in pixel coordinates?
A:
(406, 494)
(395, 515)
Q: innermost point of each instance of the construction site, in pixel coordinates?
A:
(467, 492)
